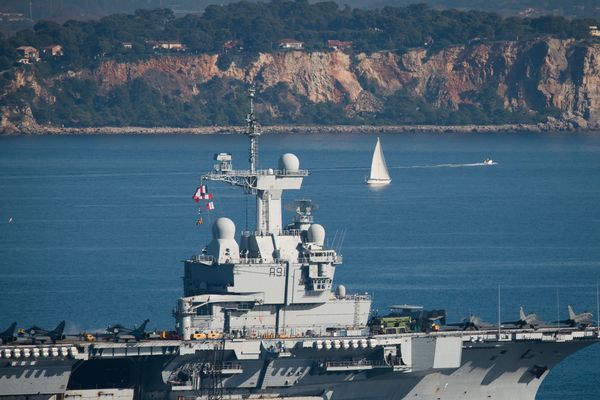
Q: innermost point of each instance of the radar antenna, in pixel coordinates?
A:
(253, 131)
(267, 185)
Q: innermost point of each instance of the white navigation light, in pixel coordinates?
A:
(223, 228)
(316, 234)
(289, 163)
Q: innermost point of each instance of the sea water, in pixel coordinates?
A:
(93, 229)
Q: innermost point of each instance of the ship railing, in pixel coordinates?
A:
(361, 364)
(225, 368)
(203, 258)
(337, 259)
(247, 173)
(258, 260)
(358, 296)
(284, 232)
(348, 363)
(208, 259)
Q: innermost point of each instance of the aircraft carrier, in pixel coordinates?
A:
(260, 317)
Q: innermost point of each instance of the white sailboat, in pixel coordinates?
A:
(379, 173)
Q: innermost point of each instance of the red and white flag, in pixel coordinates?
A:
(201, 193)
(197, 195)
(210, 205)
(207, 196)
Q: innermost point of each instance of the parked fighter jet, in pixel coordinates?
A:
(8, 335)
(120, 332)
(577, 320)
(41, 335)
(472, 323)
(525, 321)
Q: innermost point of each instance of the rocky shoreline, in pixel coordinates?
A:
(299, 129)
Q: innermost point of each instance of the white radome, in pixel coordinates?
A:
(316, 234)
(223, 228)
(289, 162)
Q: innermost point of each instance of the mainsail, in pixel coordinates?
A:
(379, 171)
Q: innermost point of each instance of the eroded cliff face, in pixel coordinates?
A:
(544, 77)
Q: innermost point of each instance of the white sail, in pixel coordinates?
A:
(379, 172)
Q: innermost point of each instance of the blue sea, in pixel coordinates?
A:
(101, 223)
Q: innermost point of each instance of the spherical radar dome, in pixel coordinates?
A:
(316, 234)
(289, 162)
(223, 228)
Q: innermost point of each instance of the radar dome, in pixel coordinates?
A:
(223, 228)
(316, 234)
(289, 162)
(341, 292)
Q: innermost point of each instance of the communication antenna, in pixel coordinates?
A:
(499, 318)
(597, 309)
(342, 239)
(557, 311)
(334, 240)
(253, 131)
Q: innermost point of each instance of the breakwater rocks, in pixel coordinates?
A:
(304, 129)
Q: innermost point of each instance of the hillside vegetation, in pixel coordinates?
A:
(405, 65)
(260, 26)
(78, 9)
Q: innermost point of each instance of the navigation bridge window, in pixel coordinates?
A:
(204, 310)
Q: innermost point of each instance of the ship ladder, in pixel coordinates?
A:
(211, 383)
(356, 311)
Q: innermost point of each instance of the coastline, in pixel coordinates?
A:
(296, 129)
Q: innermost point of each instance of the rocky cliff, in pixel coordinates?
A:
(557, 81)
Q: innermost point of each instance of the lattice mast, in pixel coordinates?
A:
(253, 132)
(266, 184)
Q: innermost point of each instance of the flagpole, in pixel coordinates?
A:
(597, 310)
(499, 319)
(557, 311)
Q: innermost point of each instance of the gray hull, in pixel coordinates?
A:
(447, 366)
(34, 378)
(501, 370)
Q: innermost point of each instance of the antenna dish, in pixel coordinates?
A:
(302, 206)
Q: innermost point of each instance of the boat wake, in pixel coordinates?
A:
(479, 164)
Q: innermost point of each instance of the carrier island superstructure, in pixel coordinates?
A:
(278, 280)
(261, 318)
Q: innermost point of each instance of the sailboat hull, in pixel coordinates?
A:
(378, 182)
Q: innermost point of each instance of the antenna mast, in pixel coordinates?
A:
(499, 317)
(597, 309)
(253, 131)
(557, 311)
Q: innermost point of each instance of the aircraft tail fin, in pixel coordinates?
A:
(8, 334)
(142, 327)
(522, 315)
(58, 331)
(572, 314)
